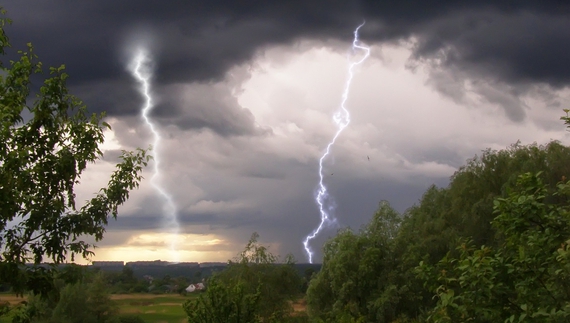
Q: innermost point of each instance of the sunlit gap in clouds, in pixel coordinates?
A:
(142, 72)
(341, 119)
(149, 246)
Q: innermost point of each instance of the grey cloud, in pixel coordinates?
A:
(505, 46)
(438, 154)
(502, 53)
(116, 97)
(210, 106)
(449, 84)
(500, 95)
(520, 42)
(153, 220)
(112, 156)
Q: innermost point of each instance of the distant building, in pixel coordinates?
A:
(195, 287)
(213, 264)
(186, 264)
(148, 263)
(108, 264)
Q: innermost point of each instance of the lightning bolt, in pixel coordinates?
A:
(142, 73)
(341, 118)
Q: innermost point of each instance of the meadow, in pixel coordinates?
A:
(164, 308)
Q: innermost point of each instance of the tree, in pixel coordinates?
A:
(70, 302)
(354, 283)
(223, 304)
(42, 157)
(254, 285)
(257, 268)
(524, 279)
(101, 307)
(385, 287)
(445, 217)
(73, 306)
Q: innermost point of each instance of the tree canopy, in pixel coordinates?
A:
(454, 232)
(253, 288)
(47, 140)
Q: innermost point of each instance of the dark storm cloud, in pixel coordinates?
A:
(185, 219)
(206, 107)
(520, 46)
(502, 47)
(198, 41)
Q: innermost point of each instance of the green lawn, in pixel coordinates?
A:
(151, 308)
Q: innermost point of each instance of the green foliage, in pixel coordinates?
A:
(73, 306)
(464, 210)
(566, 118)
(252, 287)
(124, 281)
(360, 281)
(224, 304)
(42, 158)
(257, 269)
(73, 302)
(475, 186)
(130, 318)
(160, 308)
(354, 282)
(100, 305)
(524, 279)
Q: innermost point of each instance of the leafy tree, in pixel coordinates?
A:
(524, 279)
(73, 306)
(308, 275)
(354, 284)
(224, 304)
(257, 268)
(128, 276)
(42, 157)
(99, 301)
(464, 210)
(427, 232)
(180, 283)
(475, 186)
(73, 302)
(253, 286)
(130, 318)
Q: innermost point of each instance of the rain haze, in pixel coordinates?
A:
(244, 95)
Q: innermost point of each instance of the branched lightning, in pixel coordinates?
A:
(142, 73)
(341, 119)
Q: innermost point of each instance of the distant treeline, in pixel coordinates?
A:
(160, 269)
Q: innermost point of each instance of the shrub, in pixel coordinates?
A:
(130, 318)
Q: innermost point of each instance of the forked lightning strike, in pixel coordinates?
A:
(341, 119)
(142, 73)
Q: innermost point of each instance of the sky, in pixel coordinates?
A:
(245, 92)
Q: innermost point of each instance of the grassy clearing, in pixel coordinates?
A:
(153, 308)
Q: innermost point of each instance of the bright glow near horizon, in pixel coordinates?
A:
(148, 246)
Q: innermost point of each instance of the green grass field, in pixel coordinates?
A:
(151, 308)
